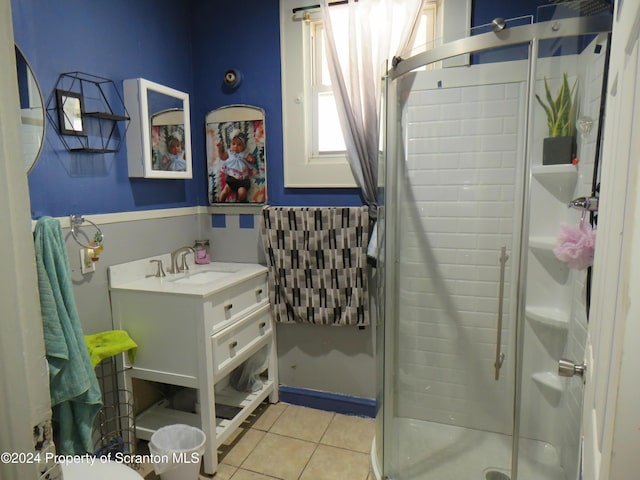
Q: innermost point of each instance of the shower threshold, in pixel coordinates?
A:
(429, 450)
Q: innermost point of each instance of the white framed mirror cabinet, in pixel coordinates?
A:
(159, 132)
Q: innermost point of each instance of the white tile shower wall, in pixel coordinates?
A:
(571, 408)
(463, 153)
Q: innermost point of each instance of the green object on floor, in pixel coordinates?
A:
(107, 344)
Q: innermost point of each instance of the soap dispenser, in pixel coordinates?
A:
(201, 255)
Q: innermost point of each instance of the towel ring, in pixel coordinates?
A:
(98, 238)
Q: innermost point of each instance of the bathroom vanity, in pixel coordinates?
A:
(193, 329)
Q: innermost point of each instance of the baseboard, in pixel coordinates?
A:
(330, 402)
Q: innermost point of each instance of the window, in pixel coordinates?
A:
(313, 157)
(314, 149)
(424, 37)
(326, 133)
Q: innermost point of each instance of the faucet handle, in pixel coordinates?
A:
(160, 271)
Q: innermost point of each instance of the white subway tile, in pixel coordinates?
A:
(476, 160)
(483, 92)
(438, 96)
(498, 143)
(482, 126)
(423, 113)
(479, 192)
(460, 144)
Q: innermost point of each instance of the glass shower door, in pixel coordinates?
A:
(472, 213)
(454, 202)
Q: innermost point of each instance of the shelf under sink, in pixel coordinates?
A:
(161, 414)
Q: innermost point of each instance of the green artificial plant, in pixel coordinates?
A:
(560, 112)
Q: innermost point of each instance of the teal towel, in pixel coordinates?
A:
(74, 389)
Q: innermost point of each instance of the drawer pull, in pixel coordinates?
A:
(228, 306)
(262, 324)
(233, 344)
(259, 291)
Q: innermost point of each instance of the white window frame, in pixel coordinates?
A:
(302, 167)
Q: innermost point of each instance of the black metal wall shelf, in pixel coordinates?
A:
(105, 116)
(85, 111)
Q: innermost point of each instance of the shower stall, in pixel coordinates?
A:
(475, 310)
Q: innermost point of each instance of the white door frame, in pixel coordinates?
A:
(24, 379)
(611, 417)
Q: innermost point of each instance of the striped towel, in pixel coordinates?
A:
(317, 261)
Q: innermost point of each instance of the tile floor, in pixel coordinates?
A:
(288, 442)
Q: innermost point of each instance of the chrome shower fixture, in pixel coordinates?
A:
(584, 203)
(498, 24)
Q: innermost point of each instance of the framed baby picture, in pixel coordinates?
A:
(236, 161)
(167, 141)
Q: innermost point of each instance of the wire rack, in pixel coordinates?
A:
(114, 429)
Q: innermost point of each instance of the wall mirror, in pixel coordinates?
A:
(70, 112)
(159, 133)
(31, 112)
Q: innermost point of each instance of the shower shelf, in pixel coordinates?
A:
(550, 384)
(548, 317)
(542, 248)
(544, 244)
(560, 180)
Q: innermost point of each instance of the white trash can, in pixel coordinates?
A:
(176, 452)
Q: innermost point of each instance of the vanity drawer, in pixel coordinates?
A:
(223, 308)
(236, 343)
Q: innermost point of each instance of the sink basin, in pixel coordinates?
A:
(201, 278)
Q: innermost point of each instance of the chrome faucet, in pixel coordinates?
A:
(175, 255)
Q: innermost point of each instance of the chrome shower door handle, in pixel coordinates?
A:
(499, 355)
(567, 368)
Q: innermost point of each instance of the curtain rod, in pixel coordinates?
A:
(313, 7)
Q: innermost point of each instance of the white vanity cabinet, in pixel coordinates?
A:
(193, 333)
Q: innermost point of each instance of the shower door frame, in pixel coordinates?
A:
(522, 35)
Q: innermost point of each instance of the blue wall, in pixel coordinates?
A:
(186, 45)
(483, 12)
(117, 39)
(245, 35)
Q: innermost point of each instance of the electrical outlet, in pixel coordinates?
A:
(86, 265)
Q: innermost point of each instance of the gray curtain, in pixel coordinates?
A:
(377, 31)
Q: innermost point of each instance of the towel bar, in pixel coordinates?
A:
(98, 238)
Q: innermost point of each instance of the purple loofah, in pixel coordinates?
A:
(575, 245)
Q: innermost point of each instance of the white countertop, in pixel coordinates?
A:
(199, 280)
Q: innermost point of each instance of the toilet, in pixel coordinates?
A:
(98, 471)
